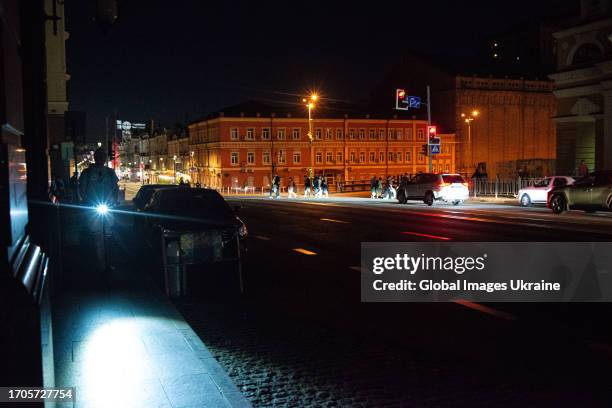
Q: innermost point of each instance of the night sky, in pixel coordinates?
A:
(175, 61)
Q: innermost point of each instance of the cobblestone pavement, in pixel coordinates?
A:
(280, 361)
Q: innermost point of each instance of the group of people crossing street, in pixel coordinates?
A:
(316, 187)
(386, 190)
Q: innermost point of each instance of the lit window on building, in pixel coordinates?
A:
(250, 134)
(328, 134)
(234, 134)
(234, 158)
(280, 134)
(297, 157)
(251, 158)
(296, 134)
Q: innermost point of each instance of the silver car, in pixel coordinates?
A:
(430, 187)
(591, 193)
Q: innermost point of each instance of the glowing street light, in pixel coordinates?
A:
(469, 118)
(311, 105)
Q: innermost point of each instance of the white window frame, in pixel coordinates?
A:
(339, 157)
(362, 134)
(234, 155)
(282, 155)
(329, 157)
(234, 134)
(318, 133)
(299, 157)
(296, 134)
(319, 157)
(250, 134)
(338, 134)
(281, 133)
(265, 157)
(251, 158)
(265, 133)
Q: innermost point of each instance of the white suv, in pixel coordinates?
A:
(430, 187)
(538, 193)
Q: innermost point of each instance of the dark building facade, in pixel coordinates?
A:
(583, 88)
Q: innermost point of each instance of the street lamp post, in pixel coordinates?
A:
(174, 168)
(469, 118)
(311, 105)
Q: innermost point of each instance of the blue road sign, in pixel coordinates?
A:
(414, 102)
(435, 148)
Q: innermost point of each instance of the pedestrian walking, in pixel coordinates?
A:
(316, 185)
(583, 169)
(291, 188)
(379, 187)
(277, 181)
(307, 185)
(324, 188)
(373, 184)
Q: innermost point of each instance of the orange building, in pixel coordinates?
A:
(241, 147)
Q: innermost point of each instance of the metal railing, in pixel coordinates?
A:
(500, 187)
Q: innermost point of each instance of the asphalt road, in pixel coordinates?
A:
(304, 259)
(302, 337)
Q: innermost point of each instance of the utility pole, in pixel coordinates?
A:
(429, 155)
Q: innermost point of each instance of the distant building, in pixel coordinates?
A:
(246, 144)
(584, 89)
(514, 129)
(61, 150)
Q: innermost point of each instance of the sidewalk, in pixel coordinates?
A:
(121, 343)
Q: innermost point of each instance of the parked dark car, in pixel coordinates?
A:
(144, 194)
(591, 193)
(195, 230)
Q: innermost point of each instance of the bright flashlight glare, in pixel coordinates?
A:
(102, 209)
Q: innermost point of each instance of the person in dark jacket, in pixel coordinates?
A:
(307, 185)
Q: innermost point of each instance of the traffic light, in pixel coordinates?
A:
(400, 99)
(111, 155)
(431, 132)
(425, 150)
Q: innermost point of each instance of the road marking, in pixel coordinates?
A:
(304, 251)
(262, 237)
(355, 268)
(418, 234)
(332, 220)
(485, 309)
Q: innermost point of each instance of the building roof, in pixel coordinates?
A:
(326, 109)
